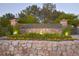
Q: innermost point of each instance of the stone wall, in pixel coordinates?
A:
(39, 48)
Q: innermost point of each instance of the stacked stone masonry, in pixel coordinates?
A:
(38, 48)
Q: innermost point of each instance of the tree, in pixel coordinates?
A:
(50, 6)
(43, 14)
(8, 16)
(29, 15)
(31, 10)
(5, 24)
(70, 17)
(47, 12)
(29, 19)
(21, 15)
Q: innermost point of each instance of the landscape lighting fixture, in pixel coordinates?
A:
(66, 34)
(15, 32)
(41, 32)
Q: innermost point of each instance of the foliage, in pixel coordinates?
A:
(75, 22)
(37, 36)
(28, 20)
(2, 33)
(4, 27)
(67, 30)
(32, 14)
(69, 17)
(4, 23)
(8, 16)
(44, 13)
(48, 14)
(49, 6)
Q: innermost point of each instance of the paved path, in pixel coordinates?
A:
(3, 38)
(75, 36)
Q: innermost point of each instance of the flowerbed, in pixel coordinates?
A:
(37, 36)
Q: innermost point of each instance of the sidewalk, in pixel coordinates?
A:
(3, 38)
(75, 36)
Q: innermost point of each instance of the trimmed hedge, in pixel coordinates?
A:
(37, 36)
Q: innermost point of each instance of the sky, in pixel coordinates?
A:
(15, 8)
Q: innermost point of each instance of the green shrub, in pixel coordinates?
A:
(37, 36)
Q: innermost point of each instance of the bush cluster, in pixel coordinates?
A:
(37, 36)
